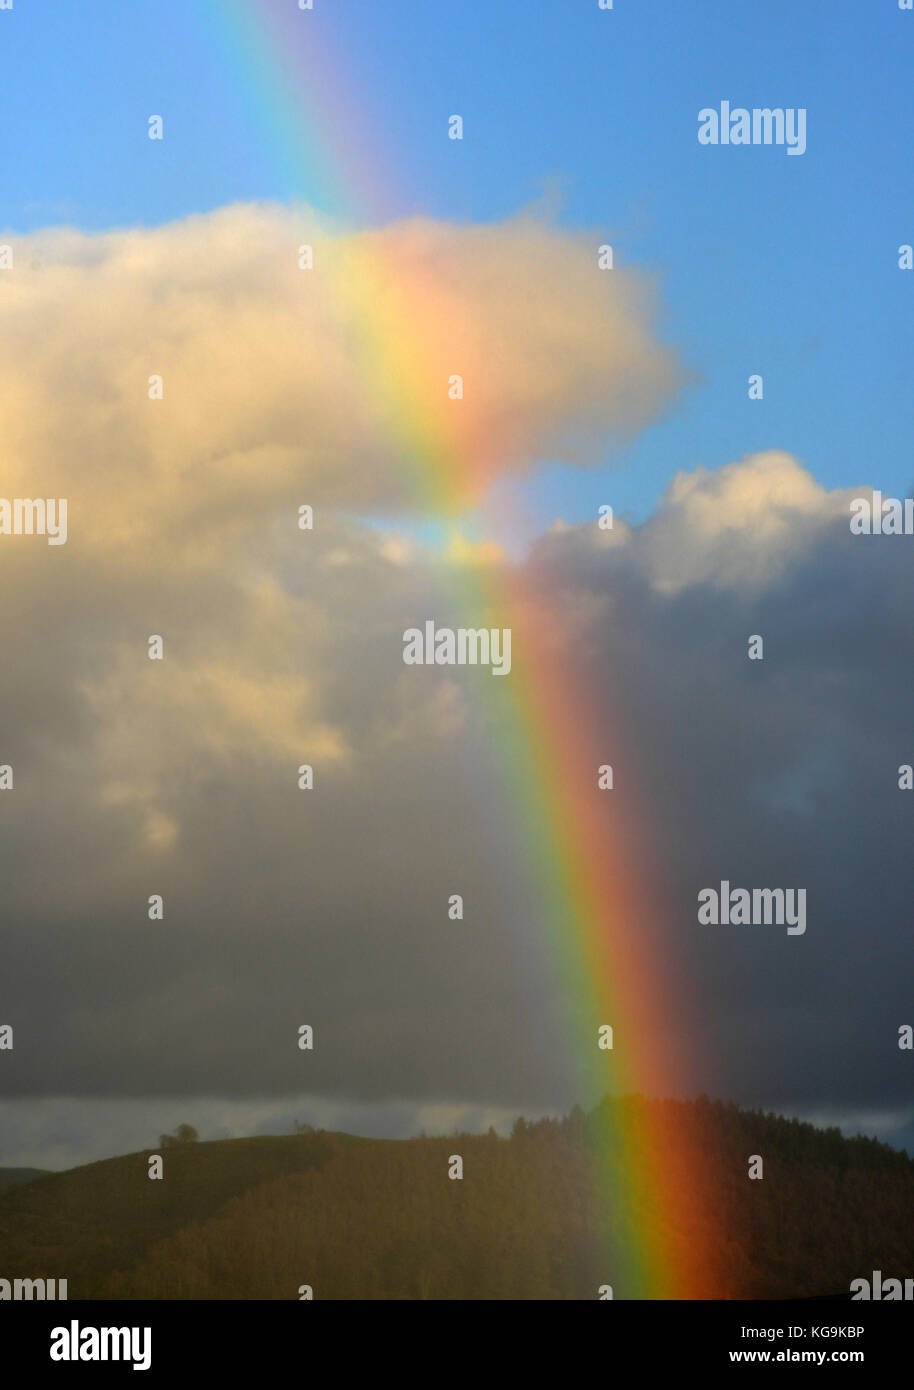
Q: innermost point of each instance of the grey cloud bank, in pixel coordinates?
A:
(329, 907)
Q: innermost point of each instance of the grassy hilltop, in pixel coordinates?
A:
(356, 1218)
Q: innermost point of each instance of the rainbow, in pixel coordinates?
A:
(585, 848)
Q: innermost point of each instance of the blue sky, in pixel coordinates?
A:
(767, 263)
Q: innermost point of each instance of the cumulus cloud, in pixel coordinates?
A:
(281, 386)
(327, 385)
(736, 527)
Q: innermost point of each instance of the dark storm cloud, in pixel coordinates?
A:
(330, 907)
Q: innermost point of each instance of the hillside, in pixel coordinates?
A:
(12, 1177)
(83, 1223)
(257, 1218)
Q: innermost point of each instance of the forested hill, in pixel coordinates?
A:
(357, 1219)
